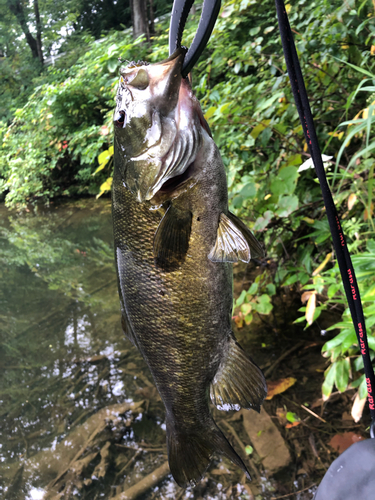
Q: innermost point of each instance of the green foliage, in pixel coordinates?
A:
(59, 144)
(343, 349)
(257, 299)
(359, 226)
(52, 144)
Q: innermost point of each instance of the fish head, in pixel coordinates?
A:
(157, 131)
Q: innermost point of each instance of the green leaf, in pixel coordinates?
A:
(288, 176)
(241, 298)
(268, 29)
(259, 128)
(291, 280)
(237, 201)
(246, 308)
(262, 222)
(357, 68)
(254, 31)
(287, 205)
(267, 103)
(253, 289)
(210, 112)
(358, 382)
(224, 109)
(112, 65)
(271, 289)
(248, 318)
(342, 374)
(333, 289)
(249, 190)
(263, 304)
(266, 135)
(294, 160)
(330, 377)
(343, 336)
(111, 49)
(371, 342)
(292, 417)
(363, 389)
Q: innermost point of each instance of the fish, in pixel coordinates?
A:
(175, 244)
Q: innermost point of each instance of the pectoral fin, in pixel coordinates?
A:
(256, 249)
(234, 241)
(238, 383)
(171, 240)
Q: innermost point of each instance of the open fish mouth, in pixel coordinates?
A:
(161, 130)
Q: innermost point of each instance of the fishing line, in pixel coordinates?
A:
(339, 243)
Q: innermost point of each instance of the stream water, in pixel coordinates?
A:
(80, 417)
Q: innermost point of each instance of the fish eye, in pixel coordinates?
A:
(141, 80)
(138, 80)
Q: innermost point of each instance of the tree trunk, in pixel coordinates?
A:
(140, 21)
(151, 17)
(38, 32)
(16, 8)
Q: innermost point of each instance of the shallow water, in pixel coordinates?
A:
(80, 415)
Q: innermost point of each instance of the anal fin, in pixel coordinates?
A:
(234, 241)
(171, 241)
(239, 382)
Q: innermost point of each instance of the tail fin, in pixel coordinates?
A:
(190, 454)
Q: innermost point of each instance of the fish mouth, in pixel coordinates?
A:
(173, 134)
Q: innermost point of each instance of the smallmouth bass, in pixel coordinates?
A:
(175, 242)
